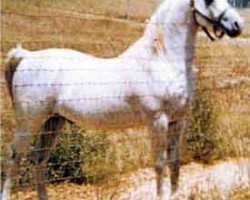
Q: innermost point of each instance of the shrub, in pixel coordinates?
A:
(79, 156)
(65, 160)
(202, 141)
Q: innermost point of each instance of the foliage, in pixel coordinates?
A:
(202, 138)
(66, 159)
(80, 157)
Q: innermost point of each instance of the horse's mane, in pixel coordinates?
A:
(158, 18)
(152, 38)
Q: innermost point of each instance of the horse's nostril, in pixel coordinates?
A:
(236, 25)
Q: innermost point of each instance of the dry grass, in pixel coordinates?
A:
(240, 194)
(136, 9)
(218, 64)
(225, 66)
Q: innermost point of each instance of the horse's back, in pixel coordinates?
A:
(57, 77)
(40, 74)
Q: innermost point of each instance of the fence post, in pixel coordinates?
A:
(52, 2)
(127, 9)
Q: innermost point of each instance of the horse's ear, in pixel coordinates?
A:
(209, 2)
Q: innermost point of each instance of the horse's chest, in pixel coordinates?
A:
(168, 93)
(174, 88)
(175, 98)
(167, 81)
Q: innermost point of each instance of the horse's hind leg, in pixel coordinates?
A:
(175, 129)
(19, 146)
(40, 155)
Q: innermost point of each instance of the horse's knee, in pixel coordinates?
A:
(39, 156)
(14, 155)
(159, 167)
(21, 143)
(173, 147)
(177, 126)
(160, 124)
(159, 134)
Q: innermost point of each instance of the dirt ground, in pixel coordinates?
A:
(217, 181)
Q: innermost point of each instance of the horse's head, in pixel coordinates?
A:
(219, 15)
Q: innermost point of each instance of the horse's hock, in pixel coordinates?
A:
(97, 128)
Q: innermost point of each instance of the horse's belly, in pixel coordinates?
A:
(115, 120)
(109, 120)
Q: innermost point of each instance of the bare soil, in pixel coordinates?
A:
(216, 181)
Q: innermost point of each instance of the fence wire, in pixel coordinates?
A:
(88, 157)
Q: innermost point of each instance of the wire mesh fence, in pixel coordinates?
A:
(219, 122)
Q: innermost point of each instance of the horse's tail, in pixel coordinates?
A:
(14, 58)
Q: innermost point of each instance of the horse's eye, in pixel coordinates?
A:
(208, 2)
(225, 19)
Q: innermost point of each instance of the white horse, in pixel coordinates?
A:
(150, 85)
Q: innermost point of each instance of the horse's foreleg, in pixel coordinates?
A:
(40, 155)
(175, 129)
(158, 134)
(20, 145)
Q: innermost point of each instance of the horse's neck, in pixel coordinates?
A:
(141, 49)
(174, 22)
(179, 40)
(178, 29)
(180, 44)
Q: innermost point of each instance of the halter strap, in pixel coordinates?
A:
(215, 22)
